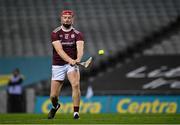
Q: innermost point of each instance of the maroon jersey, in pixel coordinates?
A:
(68, 41)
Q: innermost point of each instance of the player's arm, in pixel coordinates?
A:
(58, 47)
(80, 50)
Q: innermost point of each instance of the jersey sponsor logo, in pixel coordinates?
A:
(68, 43)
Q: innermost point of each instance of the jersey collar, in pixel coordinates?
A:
(66, 30)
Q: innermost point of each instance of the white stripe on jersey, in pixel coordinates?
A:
(60, 27)
(57, 29)
(76, 31)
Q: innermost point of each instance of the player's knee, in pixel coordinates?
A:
(75, 85)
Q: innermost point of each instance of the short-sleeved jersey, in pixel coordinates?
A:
(68, 41)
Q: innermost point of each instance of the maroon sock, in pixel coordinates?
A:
(76, 108)
(54, 101)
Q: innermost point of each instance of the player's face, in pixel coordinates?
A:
(67, 20)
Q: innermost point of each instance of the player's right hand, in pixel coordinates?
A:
(72, 62)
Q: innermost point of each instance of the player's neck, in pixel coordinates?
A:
(65, 29)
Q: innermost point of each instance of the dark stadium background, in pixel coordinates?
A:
(141, 64)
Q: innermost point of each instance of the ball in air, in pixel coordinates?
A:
(101, 52)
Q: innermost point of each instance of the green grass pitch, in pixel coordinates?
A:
(91, 119)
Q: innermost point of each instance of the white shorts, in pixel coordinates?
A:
(59, 72)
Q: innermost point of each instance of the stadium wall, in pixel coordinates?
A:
(115, 104)
(3, 102)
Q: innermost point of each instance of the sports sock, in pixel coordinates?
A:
(54, 101)
(76, 108)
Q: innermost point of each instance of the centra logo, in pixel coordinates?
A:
(126, 105)
(67, 107)
(4, 79)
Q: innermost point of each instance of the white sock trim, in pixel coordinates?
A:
(55, 107)
(76, 113)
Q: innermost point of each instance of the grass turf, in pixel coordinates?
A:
(91, 119)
